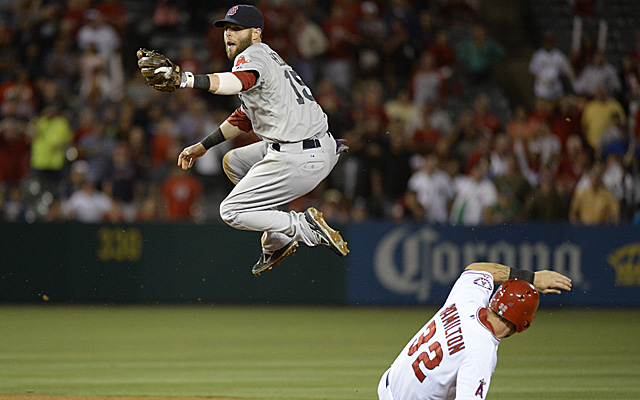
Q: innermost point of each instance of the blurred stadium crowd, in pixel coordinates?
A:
(410, 84)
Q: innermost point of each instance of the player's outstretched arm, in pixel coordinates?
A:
(165, 76)
(500, 272)
(551, 282)
(544, 281)
(224, 83)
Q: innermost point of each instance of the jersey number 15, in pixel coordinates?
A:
(423, 357)
(296, 82)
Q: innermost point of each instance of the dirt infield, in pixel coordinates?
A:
(34, 396)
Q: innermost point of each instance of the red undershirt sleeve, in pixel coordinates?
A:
(248, 78)
(240, 120)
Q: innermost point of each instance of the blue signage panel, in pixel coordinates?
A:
(417, 264)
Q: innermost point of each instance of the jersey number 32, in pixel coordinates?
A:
(424, 357)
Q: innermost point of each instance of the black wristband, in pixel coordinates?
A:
(201, 82)
(213, 139)
(515, 273)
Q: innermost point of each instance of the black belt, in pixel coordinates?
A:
(306, 144)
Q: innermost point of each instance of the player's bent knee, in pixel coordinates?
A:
(226, 166)
(228, 215)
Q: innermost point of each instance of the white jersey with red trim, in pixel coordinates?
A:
(280, 106)
(454, 355)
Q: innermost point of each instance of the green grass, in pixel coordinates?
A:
(293, 352)
(572, 354)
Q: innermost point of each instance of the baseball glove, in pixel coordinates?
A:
(159, 72)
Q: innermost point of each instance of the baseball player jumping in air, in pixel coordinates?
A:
(296, 152)
(454, 355)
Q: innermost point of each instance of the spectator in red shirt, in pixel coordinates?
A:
(115, 14)
(340, 29)
(181, 193)
(18, 96)
(162, 141)
(442, 52)
(520, 127)
(15, 150)
(73, 15)
(483, 116)
(166, 15)
(424, 139)
(566, 120)
(573, 164)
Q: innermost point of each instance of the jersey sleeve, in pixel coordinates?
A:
(474, 377)
(251, 60)
(474, 286)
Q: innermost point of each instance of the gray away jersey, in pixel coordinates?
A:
(280, 106)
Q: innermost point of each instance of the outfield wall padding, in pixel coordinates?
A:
(183, 263)
(389, 263)
(417, 264)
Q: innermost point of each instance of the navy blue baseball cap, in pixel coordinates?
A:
(243, 15)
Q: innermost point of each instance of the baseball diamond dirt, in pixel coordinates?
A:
(34, 396)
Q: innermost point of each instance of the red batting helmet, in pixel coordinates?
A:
(516, 300)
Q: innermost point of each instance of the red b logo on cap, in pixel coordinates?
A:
(232, 10)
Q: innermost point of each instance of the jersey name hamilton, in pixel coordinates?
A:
(280, 106)
(454, 353)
